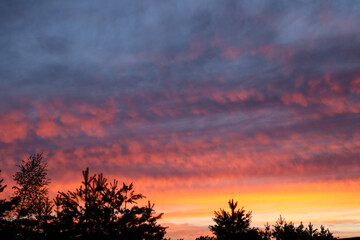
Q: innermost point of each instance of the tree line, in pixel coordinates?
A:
(100, 209)
(236, 224)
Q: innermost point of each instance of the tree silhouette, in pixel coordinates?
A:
(100, 210)
(205, 238)
(284, 230)
(234, 224)
(266, 233)
(2, 201)
(7, 229)
(288, 231)
(325, 234)
(1, 186)
(31, 189)
(5, 206)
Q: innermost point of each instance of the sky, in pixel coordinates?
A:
(196, 102)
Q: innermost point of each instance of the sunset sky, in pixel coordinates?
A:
(196, 102)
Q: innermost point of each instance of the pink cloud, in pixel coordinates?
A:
(14, 126)
(297, 98)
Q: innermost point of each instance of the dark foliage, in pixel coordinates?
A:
(205, 238)
(288, 231)
(102, 210)
(6, 228)
(31, 190)
(234, 224)
(5, 206)
(96, 210)
(2, 187)
(29, 210)
(99, 209)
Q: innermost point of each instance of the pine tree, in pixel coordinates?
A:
(102, 210)
(5, 206)
(234, 224)
(32, 188)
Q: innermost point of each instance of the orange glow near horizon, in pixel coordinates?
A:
(336, 206)
(188, 212)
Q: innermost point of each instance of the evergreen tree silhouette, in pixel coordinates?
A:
(30, 205)
(2, 201)
(234, 225)
(32, 188)
(5, 206)
(7, 228)
(102, 210)
(284, 230)
(205, 238)
(325, 234)
(99, 209)
(288, 231)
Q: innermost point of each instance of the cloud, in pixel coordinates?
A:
(183, 95)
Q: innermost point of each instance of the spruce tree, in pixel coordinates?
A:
(32, 188)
